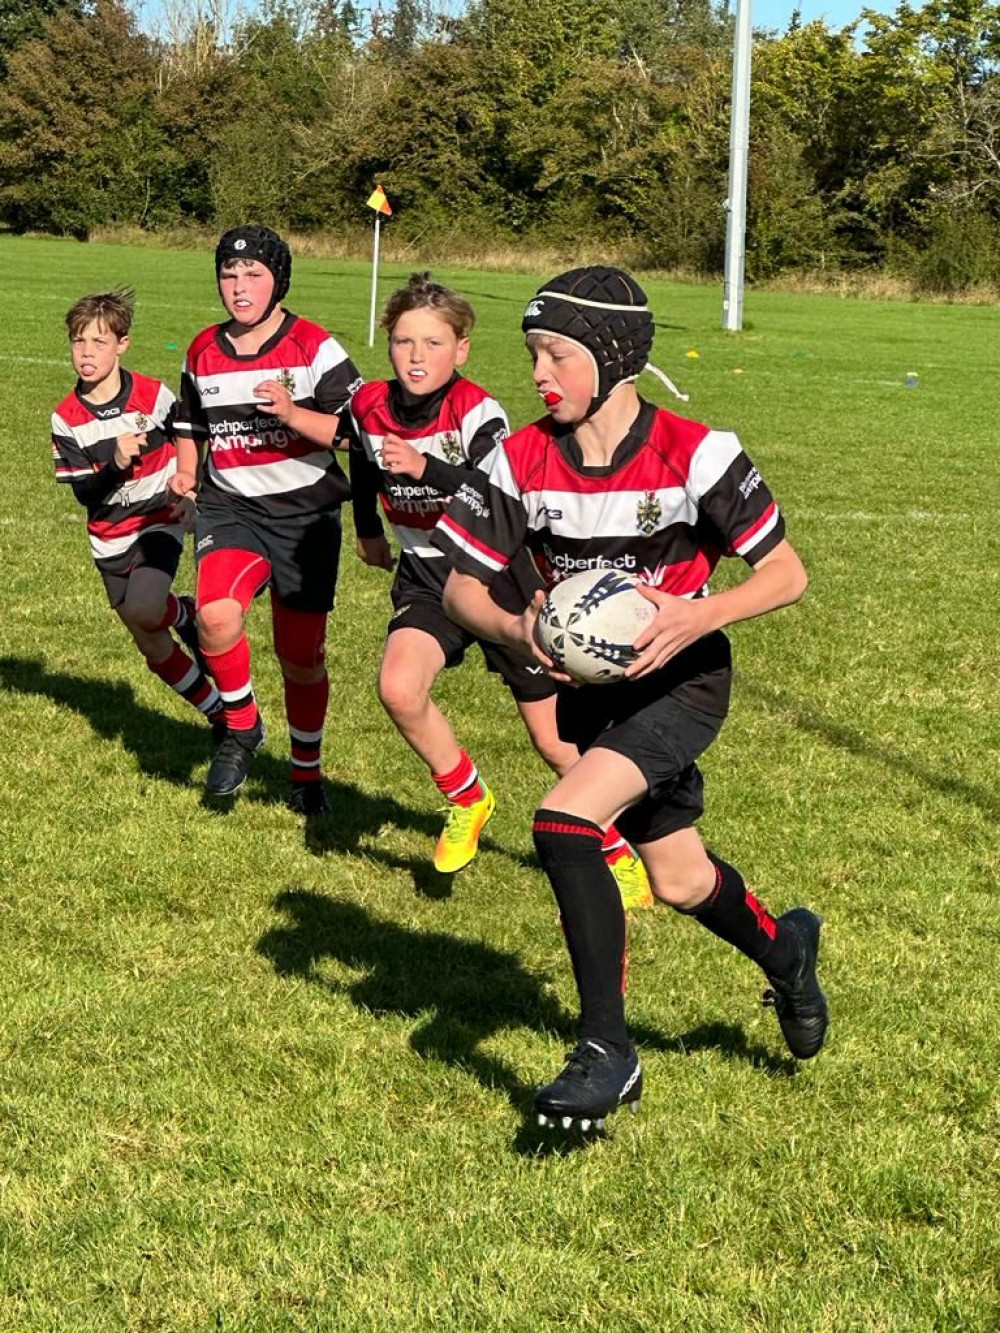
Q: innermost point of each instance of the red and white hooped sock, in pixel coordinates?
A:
(231, 671)
(186, 679)
(462, 786)
(305, 708)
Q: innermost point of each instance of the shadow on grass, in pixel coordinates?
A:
(171, 750)
(464, 992)
(808, 719)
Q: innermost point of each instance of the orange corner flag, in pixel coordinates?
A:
(379, 202)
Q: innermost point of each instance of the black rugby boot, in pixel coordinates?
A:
(596, 1081)
(309, 799)
(796, 998)
(229, 768)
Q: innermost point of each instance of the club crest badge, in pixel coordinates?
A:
(287, 381)
(142, 423)
(451, 448)
(648, 513)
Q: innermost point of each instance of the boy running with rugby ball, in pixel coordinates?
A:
(636, 488)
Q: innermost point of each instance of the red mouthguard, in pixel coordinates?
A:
(550, 399)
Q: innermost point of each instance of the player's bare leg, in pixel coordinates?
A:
(411, 663)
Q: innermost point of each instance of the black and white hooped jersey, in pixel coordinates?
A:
(252, 460)
(676, 497)
(455, 429)
(121, 503)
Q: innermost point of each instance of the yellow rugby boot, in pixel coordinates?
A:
(459, 840)
(632, 880)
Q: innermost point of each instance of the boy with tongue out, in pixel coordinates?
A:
(261, 396)
(606, 479)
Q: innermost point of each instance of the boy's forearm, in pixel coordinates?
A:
(468, 602)
(188, 456)
(317, 427)
(778, 580)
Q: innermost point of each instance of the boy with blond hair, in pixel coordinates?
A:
(418, 438)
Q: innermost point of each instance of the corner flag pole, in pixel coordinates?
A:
(739, 144)
(371, 321)
(380, 203)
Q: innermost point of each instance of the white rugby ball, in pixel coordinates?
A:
(589, 622)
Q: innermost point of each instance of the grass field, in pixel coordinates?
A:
(257, 1077)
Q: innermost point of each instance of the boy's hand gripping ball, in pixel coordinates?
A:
(589, 622)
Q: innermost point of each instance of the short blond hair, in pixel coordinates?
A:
(420, 293)
(113, 309)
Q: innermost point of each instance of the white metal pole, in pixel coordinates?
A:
(739, 144)
(371, 321)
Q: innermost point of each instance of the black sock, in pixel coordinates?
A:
(593, 918)
(734, 914)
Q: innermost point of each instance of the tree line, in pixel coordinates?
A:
(538, 122)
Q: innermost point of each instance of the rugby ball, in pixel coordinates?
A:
(589, 622)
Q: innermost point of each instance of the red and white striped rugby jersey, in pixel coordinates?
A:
(455, 429)
(120, 504)
(253, 461)
(676, 497)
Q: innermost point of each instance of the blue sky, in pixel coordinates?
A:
(766, 13)
(837, 13)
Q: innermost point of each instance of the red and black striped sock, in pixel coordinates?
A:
(177, 615)
(462, 786)
(185, 677)
(593, 919)
(733, 913)
(305, 708)
(231, 672)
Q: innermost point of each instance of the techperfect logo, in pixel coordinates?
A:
(570, 564)
(258, 433)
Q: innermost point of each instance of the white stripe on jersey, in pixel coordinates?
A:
(458, 538)
(500, 474)
(90, 433)
(612, 514)
(433, 445)
(414, 542)
(235, 388)
(291, 474)
(714, 455)
(759, 535)
(132, 492)
(105, 549)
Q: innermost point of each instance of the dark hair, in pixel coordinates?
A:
(113, 309)
(420, 293)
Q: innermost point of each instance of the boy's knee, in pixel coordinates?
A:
(297, 674)
(219, 622)
(399, 695)
(142, 615)
(683, 890)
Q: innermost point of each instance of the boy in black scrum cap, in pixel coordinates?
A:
(264, 392)
(665, 497)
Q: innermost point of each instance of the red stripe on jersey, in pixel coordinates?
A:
(764, 519)
(370, 409)
(537, 463)
(448, 522)
(402, 518)
(127, 526)
(253, 454)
